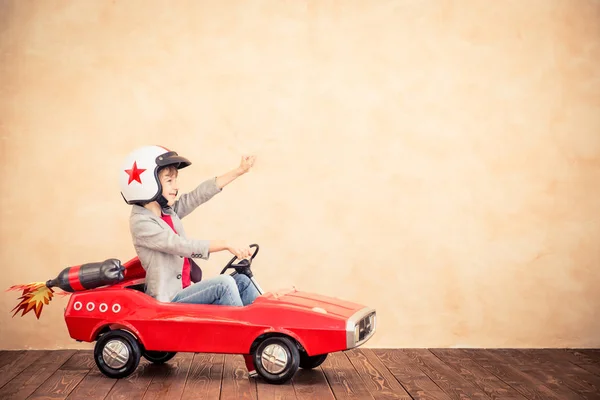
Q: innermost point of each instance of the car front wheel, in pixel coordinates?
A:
(276, 359)
(117, 354)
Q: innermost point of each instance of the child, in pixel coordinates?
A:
(148, 181)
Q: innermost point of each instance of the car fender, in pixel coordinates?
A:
(114, 326)
(275, 332)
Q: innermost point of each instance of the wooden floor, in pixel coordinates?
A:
(357, 374)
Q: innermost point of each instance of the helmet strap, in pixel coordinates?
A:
(162, 201)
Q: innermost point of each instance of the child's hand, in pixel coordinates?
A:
(246, 163)
(241, 252)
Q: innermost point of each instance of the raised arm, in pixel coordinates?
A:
(188, 202)
(209, 188)
(228, 177)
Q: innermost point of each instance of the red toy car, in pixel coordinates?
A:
(277, 334)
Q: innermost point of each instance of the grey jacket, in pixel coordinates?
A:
(161, 251)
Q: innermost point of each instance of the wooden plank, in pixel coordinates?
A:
(14, 362)
(586, 356)
(586, 384)
(236, 384)
(557, 358)
(204, 377)
(407, 372)
(343, 379)
(94, 386)
(9, 356)
(311, 385)
(268, 391)
(591, 361)
(135, 385)
(378, 380)
(477, 375)
(445, 377)
(81, 360)
(524, 365)
(59, 385)
(525, 384)
(170, 378)
(35, 374)
(560, 356)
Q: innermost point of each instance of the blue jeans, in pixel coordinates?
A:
(226, 290)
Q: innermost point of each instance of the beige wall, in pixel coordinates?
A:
(437, 160)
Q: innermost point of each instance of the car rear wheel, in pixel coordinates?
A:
(158, 357)
(310, 362)
(117, 354)
(276, 359)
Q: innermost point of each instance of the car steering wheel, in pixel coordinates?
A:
(242, 267)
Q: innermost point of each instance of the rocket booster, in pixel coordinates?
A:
(89, 276)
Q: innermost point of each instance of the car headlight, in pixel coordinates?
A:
(356, 333)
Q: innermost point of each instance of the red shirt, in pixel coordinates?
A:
(185, 274)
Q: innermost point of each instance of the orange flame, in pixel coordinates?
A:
(34, 296)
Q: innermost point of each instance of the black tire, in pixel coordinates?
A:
(290, 367)
(130, 348)
(158, 357)
(310, 362)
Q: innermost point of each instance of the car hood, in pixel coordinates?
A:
(312, 301)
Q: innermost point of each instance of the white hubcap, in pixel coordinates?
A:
(115, 354)
(274, 358)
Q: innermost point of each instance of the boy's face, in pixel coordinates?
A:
(170, 187)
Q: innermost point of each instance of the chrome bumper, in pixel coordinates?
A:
(360, 327)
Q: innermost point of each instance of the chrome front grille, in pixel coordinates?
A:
(360, 327)
(366, 326)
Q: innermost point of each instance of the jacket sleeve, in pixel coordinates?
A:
(189, 201)
(150, 234)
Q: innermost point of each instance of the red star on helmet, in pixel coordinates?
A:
(134, 173)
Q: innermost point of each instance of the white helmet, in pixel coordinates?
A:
(138, 177)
